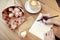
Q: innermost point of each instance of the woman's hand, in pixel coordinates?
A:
(49, 21)
(45, 19)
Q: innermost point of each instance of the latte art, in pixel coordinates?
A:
(33, 4)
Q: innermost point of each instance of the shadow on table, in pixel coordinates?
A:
(58, 2)
(57, 38)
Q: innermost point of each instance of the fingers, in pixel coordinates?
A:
(48, 15)
(49, 22)
(45, 16)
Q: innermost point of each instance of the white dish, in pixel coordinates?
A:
(27, 7)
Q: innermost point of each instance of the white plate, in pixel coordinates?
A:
(27, 7)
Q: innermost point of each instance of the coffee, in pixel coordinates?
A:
(33, 4)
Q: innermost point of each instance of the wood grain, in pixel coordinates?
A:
(48, 6)
(6, 33)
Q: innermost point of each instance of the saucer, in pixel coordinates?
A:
(28, 8)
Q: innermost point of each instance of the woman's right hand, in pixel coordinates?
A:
(49, 21)
(45, 19)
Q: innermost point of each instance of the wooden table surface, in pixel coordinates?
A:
(48, 6)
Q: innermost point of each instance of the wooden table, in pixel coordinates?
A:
(48, 6)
